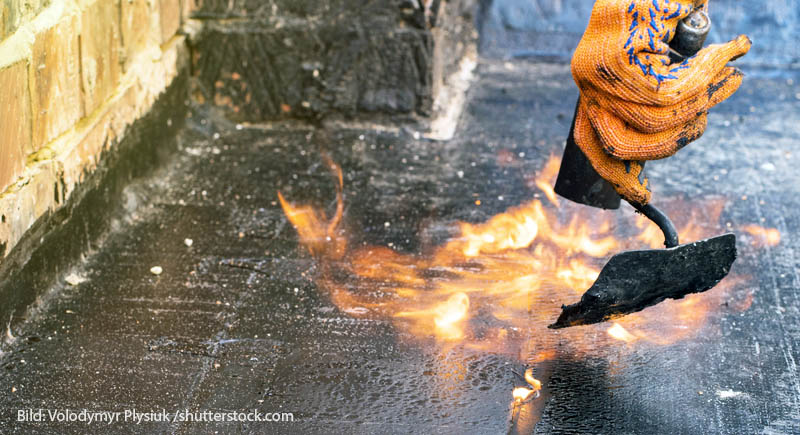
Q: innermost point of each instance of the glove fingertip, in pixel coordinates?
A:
(744, 43)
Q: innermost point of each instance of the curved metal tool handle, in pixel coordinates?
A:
(662, 220)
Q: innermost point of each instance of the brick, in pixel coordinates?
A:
(14, 13)
(170, 16)
(82, 159)
(187, 8)
(15, 122)
(137, 26)
(55, 74)
(3, 18)
(100, 45)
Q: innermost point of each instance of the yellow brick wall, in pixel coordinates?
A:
(73, 75)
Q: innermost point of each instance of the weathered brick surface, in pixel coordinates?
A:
(64, 164)
(13, 13)
(15, 122)
(3, 14)
(55, 90)
(138, 27)
(100, 44)
(187, 9)
(170, 17)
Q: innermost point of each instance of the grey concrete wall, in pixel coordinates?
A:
(263, 60)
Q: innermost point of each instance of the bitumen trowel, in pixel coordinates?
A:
(634, 280)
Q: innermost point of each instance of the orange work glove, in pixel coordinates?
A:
(635, 104)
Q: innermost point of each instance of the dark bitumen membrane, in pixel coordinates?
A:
(236, 321)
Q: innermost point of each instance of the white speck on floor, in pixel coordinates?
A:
(729, 394)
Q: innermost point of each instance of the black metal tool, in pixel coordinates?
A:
(690, 35)
(632, 281)
(578, 181)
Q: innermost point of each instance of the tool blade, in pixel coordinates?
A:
(634, 280)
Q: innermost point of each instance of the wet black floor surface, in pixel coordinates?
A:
(238, 321)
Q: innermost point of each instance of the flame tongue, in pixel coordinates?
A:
(319, 235)
(618, 332)
(521, 394)
(448, 316)
(533, 382)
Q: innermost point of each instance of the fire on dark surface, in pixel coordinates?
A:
(494, 286)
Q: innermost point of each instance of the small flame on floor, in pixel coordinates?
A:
(763, 236)
(549, 172)
(521, 394)
(619, 332)
(448, 316)
(533, 382)
(320, 235)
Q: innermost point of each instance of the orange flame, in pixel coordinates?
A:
(514, 229)
(763, 236)
(496, 285)
(316, 233)
(543, 181)
(533, 382)
(521, 394)
(618, 332)
(447, 316)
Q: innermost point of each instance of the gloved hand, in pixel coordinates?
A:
(635, 105)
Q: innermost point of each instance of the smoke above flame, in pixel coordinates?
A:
(495, 286)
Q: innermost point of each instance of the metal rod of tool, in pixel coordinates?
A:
(690, 35)
(663, 222)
